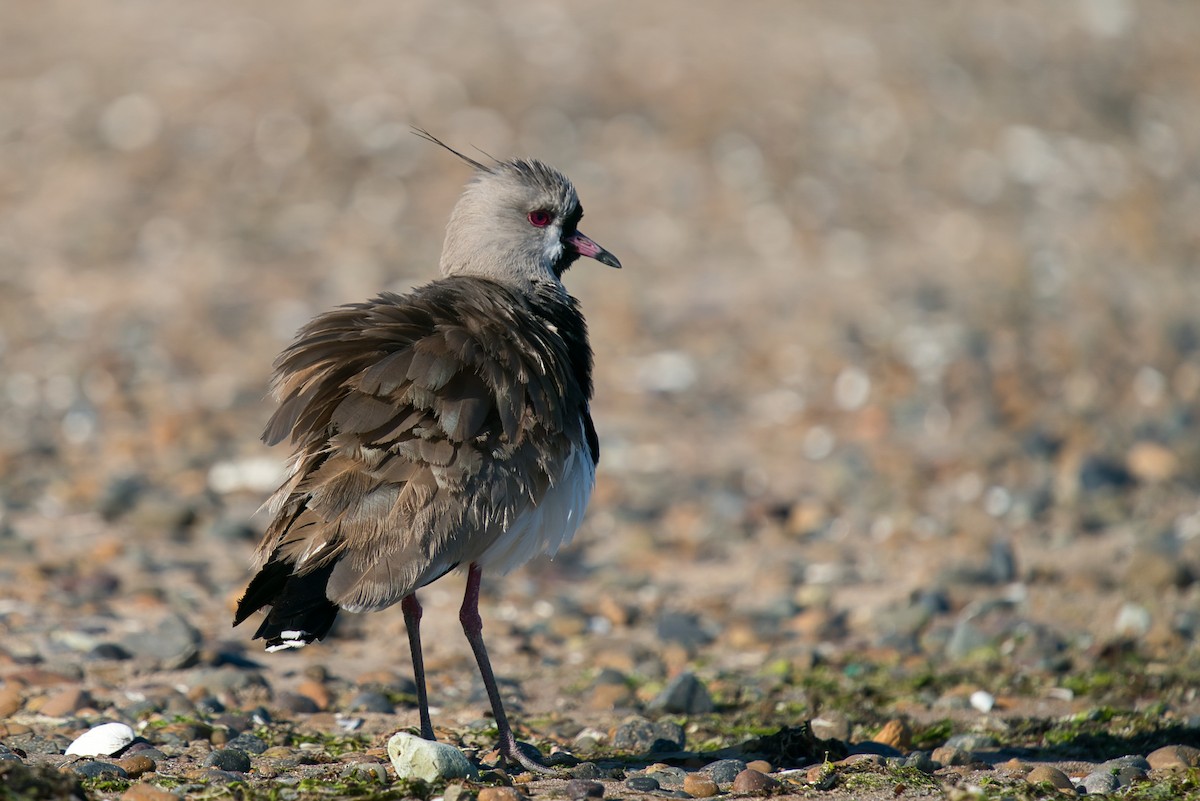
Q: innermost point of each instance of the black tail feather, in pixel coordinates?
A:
(300, 611)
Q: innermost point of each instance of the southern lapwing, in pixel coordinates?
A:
(445, 428)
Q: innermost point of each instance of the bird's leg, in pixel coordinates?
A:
(412, 622)
(472, 625)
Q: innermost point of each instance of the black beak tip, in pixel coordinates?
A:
(604, 257)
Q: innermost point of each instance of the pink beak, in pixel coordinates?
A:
(586, 247)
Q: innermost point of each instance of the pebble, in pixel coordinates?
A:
(10, 700)
(641, 736)
(761, 765)
(1100, 782)
(682, 628)
(171, 645)
(415, 758)
(458, 792)
(371, 701)
(751, 781)
(723, 771)
(65, 702)
(229, 759)
(296, 704)
(137, 764)
(1174, 757)
(249, 743)
(367, 771)
(103, 740)
(667, 777)
(895, 733)
(698, 785)
(1048, 774)
(982, 700)
(1128, 761)
(144, 791)
(972, 741)
(580, 789)
(950, 756)
(922, 761)
(317, 692)
(1131, 774)
(642, 784)
(500, 794)
(684, 695)
(94, 770)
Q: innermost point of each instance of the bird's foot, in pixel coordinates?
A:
(525, 755)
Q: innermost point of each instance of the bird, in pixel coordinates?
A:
(446, 428)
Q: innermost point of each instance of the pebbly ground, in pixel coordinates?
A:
(896, 392)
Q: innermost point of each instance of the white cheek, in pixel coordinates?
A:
(554, 250)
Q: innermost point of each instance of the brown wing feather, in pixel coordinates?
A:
(423, 424)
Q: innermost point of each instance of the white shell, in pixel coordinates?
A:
(983, 700)
(103, 740)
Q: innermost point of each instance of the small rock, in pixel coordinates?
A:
(1127, 761)
(761, 765)
(972, 741)
(248, 743)
(723, 771)
(683, 628)
(1151, 462)
(1047, 774)
(10, 700)
(317, 692)
(921, 760)
(500, 794)
(642, 784)
(684, 695)
(107, 651)
(1100, 782)
(641, 736)
(143, 791)
(751, 781)
(1174, 757)
(698, 785)
(103, 740)
(136, 764)
(668, 777)
(949, 756)
(831, 726)
(171, 645)
(65, 702)
(1128, 775)
(296, 703)
(580, 789)
(895, 733)
(94, 770)
(370, 771)
(415, 758)
(371, 701)
(458, 792)
(982, 700)
(228, 759)
(218, 776)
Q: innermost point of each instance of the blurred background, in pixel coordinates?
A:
(903, 363)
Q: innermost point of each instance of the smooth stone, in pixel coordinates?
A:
(639, 735)
(670, 778)
(761, 765)
(371, 701)
(228, 759)
(1129, 775)
(103, 740)
(723, 771)
(144, 791)
(137, 764)
(751, 781)
(1128, 761)
(684, 695)
(1047, 774)
(971, 741)
(580, 789)
(1174, 757)
(173, 644)
(66, 702)
(415, 758)
(296, 704)
(218, 776)
(1100, 782)
(921, 760)
(94, 770)
(458, 792)
(368, 771)
(950, 756)
(642, 784)
(895, 733)
(10, 700)
(249, 743)
(698, 785)
(586, 770)
(500, 794)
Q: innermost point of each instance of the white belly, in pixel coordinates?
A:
(551, 524)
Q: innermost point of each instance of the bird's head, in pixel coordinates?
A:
(518, 222)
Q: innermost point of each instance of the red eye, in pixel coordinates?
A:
(540, 218)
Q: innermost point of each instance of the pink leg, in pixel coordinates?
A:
(412, 622)
(472, 625)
